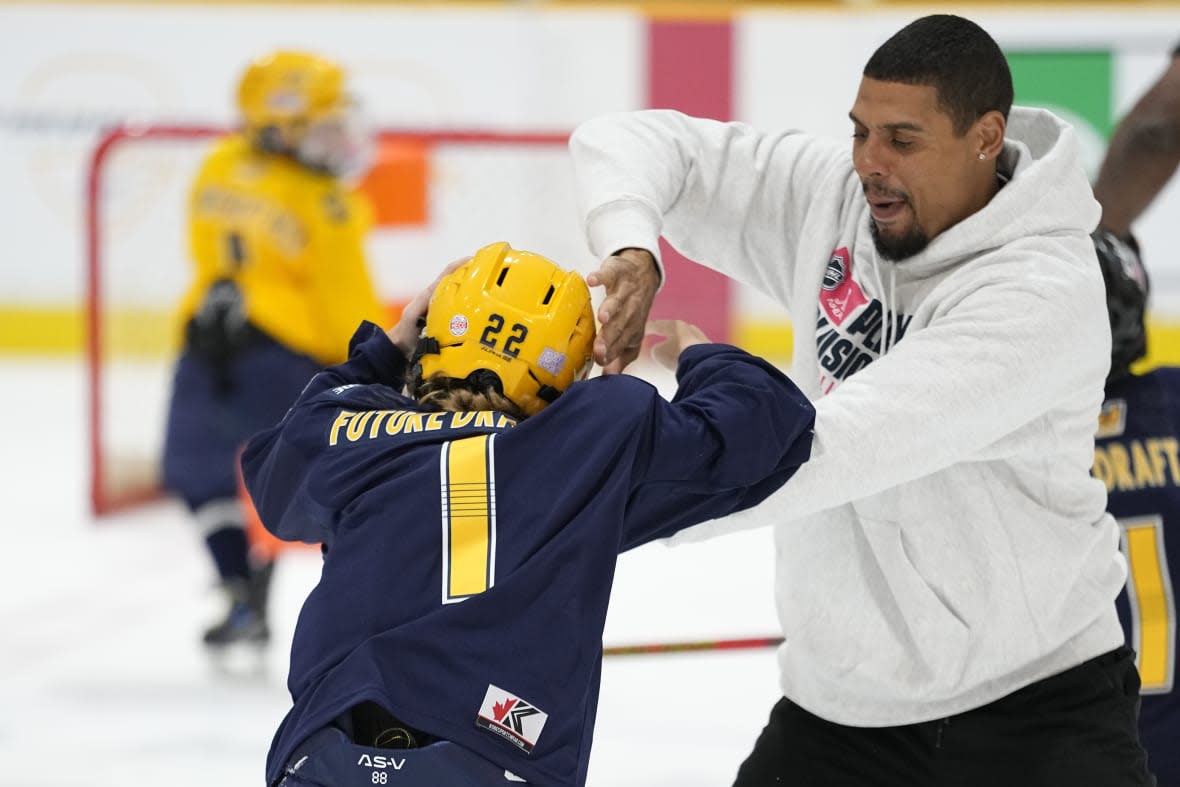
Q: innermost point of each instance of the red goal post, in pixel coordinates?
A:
(476, 187)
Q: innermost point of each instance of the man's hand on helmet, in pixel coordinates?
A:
(631, 279)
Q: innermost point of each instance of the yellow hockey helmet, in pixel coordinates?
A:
(514, 314)
(287, 89)
(296, 103)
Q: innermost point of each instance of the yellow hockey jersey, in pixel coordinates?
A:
(291, 239)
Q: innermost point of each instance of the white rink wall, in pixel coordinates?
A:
(68, 70)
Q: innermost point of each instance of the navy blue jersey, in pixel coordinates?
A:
(469, 559)
(1137, 456)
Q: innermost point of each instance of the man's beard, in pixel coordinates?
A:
(896, 249)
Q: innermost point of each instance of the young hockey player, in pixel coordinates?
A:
(470, 529)
(279, 283)
(1136, 453)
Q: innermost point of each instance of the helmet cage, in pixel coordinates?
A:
(339, 143)
(294, 103)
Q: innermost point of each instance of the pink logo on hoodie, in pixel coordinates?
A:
(839, 295)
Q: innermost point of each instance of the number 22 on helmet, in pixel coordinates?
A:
(516, 315)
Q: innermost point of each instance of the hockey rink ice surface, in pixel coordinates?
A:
(103, 682)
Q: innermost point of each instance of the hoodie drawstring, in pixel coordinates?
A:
(887, 302)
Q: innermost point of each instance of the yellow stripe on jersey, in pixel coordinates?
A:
(468, 517)
(1153, 607)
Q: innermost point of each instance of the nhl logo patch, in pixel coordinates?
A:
(840, 295)
(458, 326)
(515, 720)
(836, 271)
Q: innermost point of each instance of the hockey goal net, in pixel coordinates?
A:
(438, 195)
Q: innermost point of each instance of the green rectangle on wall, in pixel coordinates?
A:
(1076, 85)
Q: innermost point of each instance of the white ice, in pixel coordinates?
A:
(103, 684)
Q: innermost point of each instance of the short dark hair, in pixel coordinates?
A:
(957, 58)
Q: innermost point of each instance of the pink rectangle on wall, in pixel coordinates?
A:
(690, 69)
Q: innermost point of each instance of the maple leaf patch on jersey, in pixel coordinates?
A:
(515, 720)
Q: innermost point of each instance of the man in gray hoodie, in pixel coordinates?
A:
(946, 567)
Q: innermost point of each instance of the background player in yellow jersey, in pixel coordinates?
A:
(279, 285)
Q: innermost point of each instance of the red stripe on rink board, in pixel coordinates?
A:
(690, 68)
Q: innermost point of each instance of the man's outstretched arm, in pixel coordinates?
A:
(1143, 155)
